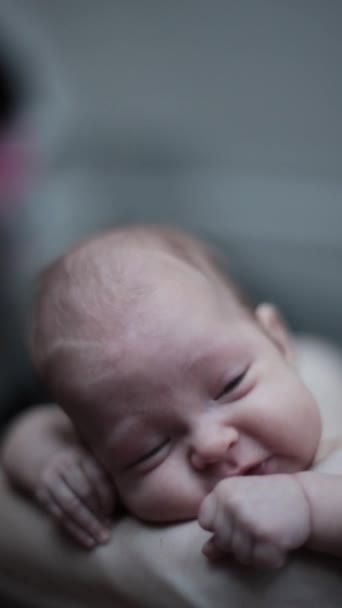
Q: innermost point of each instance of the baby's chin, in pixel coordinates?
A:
(167, 519)
(167, 514)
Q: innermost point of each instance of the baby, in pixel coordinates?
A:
(179, 401)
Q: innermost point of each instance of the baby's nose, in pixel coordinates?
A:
(210, 445)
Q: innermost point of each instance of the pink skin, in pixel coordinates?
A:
(18, 170)
(256, 519)
(190, 400)
(76, 491)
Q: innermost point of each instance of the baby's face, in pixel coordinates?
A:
(201, 393)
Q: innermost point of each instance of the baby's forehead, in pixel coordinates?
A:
(155, 306)
(170, 301)
(151, 302)
(153, 355)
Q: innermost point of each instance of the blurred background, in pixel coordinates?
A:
(223, 117)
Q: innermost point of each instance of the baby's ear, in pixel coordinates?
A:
(274, 326)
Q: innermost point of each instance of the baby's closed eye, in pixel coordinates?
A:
(151, 457)
(232, 384)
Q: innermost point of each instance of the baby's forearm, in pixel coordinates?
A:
(31, 440)
(324, 495)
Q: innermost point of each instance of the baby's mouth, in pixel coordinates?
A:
(261, 468)
(258, 469)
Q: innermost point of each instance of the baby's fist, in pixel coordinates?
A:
(257, 519)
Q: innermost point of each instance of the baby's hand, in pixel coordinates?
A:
(257, 519)
(76, 490)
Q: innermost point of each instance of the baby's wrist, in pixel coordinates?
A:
(302, 478)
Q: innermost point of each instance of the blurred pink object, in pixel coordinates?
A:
(17, 171)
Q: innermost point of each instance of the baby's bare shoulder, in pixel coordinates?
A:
(329, 456)
(320, 366)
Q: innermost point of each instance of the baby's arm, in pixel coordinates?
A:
(323, 490)
(256, 519)
(260, 519)
(43, 456)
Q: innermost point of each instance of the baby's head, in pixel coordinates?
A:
(169, 377)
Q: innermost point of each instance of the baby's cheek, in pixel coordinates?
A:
(162, 496)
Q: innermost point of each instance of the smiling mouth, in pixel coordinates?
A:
(258, 469)
(262, 468)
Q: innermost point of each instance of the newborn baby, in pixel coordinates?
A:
(182, 402)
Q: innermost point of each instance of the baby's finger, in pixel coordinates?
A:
(207, 512)
(106, 493)
(79, 534)
(242, 545)
(78, 482)
(223, 527)
(73, 509)
(211, 550)
(103, 487)
(267, 555)
(47, 501)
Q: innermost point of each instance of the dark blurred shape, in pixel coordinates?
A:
(12, 100)
(12, 93)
